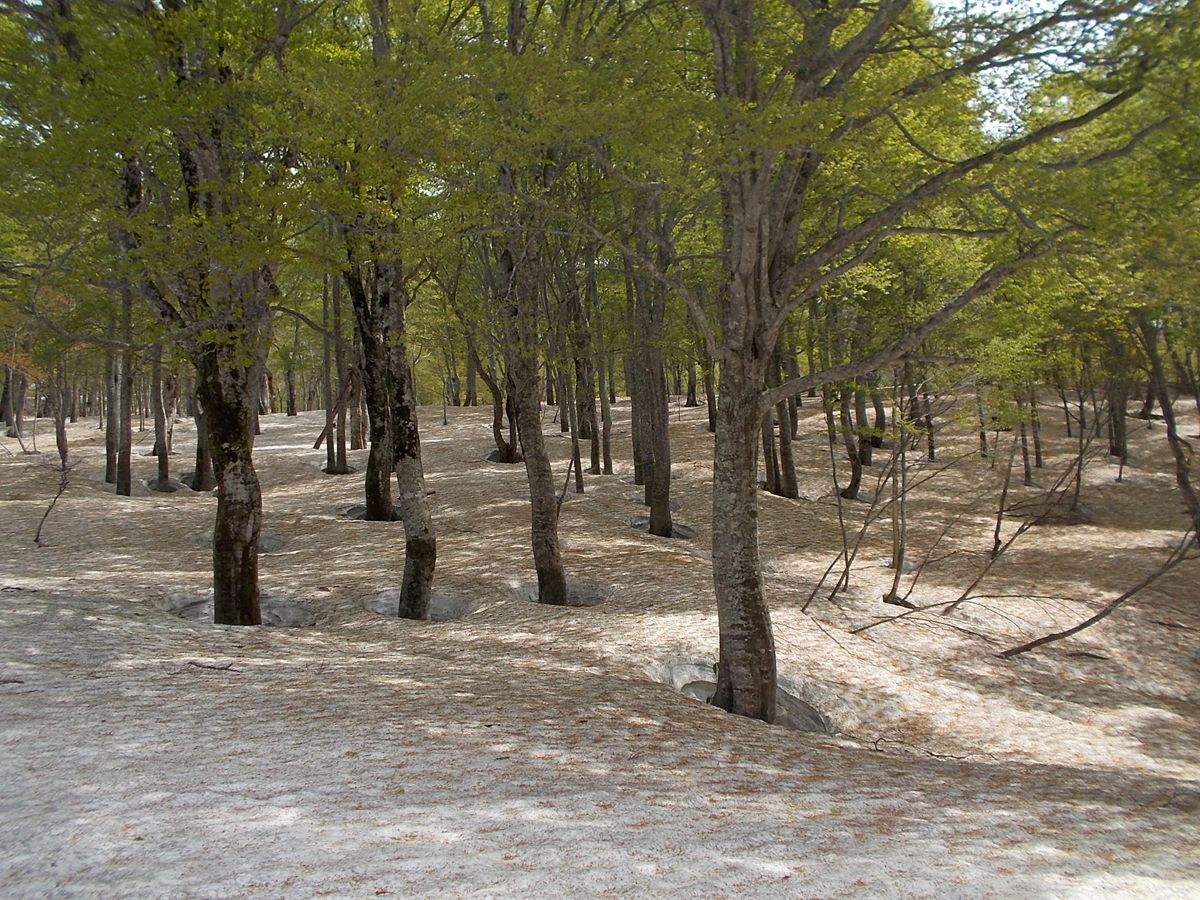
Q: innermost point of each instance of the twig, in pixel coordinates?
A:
(63, 482)
(1178, 555)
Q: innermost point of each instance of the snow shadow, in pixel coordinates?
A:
(444, 606)
(679, 531)
(697, 678)
(580, 592)
(278, 610)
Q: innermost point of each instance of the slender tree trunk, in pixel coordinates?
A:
(850, 491)
(205, 478)
(112, 394)
(162, 442)
(327, 381)
(1024, 442)
(691, 400)
(881, 422)
(710, 396)
(420, 539)
(471, 398)
(771, 475)
(863, 427)
(124, 422)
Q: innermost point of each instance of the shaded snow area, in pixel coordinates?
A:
(514, 749)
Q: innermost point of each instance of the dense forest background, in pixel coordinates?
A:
(893, 210)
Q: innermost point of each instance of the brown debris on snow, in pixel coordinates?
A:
(524, 749)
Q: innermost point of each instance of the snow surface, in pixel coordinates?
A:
(522, 750)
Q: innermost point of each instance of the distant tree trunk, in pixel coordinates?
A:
(603, 373)
(771, 475)
(345, 379)
(788, 486)
(162, 440)
(710, 396)
(881, 422)
(691, 400)
(849, 439)
(371, 301)
(1024, 429)
(1035, 423)
(327, 381)
(863, 427)
(124, 422)
(471, 398)
(205, 478)
(112, 404)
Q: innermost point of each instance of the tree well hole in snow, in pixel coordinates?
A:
(580, 592)
(640, 499)
(696, 678)
(679, 531)
(358, 512)
(444, 606)
(496, 457)
(278, 611)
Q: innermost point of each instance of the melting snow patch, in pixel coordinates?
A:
(444, 606)
(697, 678)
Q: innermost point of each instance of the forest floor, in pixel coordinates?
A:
(524, 750)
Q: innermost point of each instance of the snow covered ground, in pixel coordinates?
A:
(530, 751)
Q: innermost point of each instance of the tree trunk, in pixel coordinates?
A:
(125, 414)
(204, 478)
(710, 396)
(850, 491)
(227, 392)
(162, 443)
(863, 427)
(112, 403)
(420, 539)
(691, 400)
(327, 380)
(746, 668)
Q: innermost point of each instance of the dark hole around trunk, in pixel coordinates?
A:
(697, 679)
(678, 529)
(444, 606)
(580, 592)
(278, 611)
